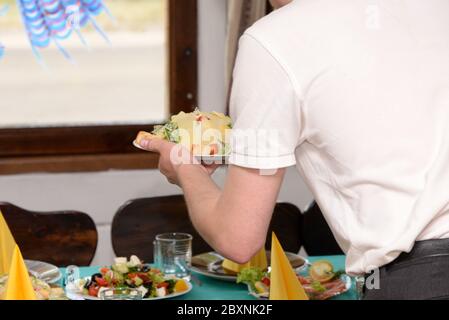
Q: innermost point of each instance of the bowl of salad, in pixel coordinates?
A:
(42, 289)
(319, 281)
(125, 274)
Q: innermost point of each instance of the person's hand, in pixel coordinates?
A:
(167, 166)
(172, 157)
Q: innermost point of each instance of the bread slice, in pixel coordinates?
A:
(143, 135)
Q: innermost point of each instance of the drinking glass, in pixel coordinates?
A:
(359, 286)
(72, 275)
(173, 254)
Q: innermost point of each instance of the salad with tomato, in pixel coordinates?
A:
(131, 274)
(320, 281)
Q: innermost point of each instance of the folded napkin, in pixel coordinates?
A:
(284, 284)
(258, 261)
(7, 245)
(19, 286)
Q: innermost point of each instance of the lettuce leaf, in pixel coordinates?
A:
(168, 132)
(250, 276)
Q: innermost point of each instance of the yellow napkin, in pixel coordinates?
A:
(258, 261)
(284, 284)
(19, 285)
(7, 245)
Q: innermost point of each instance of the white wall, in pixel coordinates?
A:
(211, 43)
(100, 194)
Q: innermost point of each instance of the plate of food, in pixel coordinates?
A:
(42, 289)
(205, 134)
(319, 281)
(129, 274)
(210, 264)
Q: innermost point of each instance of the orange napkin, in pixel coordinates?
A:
(7, 245)
(258, 261)
(284, 282)
(19, 285)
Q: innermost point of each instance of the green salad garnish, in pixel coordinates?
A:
(250, 276)
(169, 132)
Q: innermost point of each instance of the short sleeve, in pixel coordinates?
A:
(265, 108)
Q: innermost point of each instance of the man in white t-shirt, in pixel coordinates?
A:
(355, 93)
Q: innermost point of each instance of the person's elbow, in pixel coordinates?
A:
(240, 257)
(240, 250)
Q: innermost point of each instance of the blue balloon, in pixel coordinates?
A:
(48, 21)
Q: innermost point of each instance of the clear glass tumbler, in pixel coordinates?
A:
(173, 254)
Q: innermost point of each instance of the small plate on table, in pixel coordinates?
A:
(43, 271)
(210, 265)
(320, 281)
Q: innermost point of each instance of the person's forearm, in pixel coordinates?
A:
(234, 223)
(202, 196)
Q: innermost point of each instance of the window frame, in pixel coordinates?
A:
(105, 147)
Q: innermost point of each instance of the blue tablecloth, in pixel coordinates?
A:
(211, 289)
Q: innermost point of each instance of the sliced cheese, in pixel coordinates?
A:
(203, 132)
(258, 261)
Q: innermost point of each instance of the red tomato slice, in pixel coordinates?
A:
(213, 149)
(93, 291)
(201, 118)
(266, 281)
(101, 282)
(162, 285)
(104, 270)
(145, 278)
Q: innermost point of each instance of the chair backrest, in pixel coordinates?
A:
(137, 223)
(62, 238)
(287, 224)
(317, 237)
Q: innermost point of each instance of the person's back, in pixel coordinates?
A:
(367, 83)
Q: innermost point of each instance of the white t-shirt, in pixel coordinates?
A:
(355, 93)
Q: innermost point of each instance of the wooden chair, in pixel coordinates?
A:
(287, 224)
(61, 238)
(137, 222)
(317, 237)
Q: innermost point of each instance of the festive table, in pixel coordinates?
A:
(205, 288)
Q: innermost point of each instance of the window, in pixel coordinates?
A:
(83, 117)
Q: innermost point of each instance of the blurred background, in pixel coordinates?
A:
(120, 79)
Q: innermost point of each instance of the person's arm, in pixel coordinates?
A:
(235, 220)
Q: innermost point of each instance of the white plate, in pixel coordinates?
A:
(265, 296)
(43, 271)
(77, 296)
(206, 159)
(212, 267)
